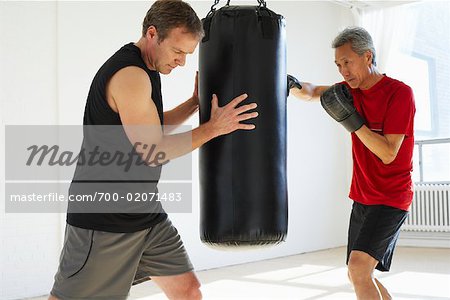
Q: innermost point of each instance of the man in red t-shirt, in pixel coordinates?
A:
(379, 113)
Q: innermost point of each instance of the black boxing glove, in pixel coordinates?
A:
(292, 82)
(338, 103)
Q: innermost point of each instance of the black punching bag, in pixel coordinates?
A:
(243, 187)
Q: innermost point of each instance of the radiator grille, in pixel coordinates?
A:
(430, 209)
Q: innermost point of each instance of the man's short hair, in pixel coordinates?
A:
(359, 39)
(166, 15)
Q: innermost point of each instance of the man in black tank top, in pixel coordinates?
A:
(105, 253)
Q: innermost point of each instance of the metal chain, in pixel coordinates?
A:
(215, 3)
(213, 9)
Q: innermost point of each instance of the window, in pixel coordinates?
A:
(418, 72)
(413, 41)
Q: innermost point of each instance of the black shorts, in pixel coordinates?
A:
(374, 229)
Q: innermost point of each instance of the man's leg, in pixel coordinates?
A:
(374, 230)
(180, 287)
(360, 269)
(176, 287)
(103, 269)
(383, 290)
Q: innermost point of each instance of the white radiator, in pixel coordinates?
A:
(430, 209)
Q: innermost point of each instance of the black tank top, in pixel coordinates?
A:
(98, 112)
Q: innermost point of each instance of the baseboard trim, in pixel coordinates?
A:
(424, 239)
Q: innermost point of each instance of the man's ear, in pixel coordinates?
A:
(151, 32)
(369, 56)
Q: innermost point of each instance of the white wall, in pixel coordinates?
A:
(30, 242)
(49, 53)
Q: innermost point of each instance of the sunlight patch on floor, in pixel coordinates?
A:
(290, 273)
(333, 278)
(419, 284)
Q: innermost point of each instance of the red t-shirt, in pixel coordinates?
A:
(388, 108)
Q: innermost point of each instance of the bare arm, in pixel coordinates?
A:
(130, 89)
(384, 147)
(182, 112)
(309, 91)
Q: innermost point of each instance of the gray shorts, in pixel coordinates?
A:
(103, 265)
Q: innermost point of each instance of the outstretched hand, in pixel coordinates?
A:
(228, 118)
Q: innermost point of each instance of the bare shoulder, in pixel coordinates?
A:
(127, 83)
(130, 79)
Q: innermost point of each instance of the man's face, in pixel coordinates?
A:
(170, 53)
(353, 67)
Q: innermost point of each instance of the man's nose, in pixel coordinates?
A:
(181, 60)
(344, 71)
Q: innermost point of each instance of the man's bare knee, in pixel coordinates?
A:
(349, 276)
(194, 293)
(360, 267)
(180, 287)
(51, 297)
(360, 270)
(358, 274)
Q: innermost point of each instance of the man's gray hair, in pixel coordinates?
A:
(359, 39)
